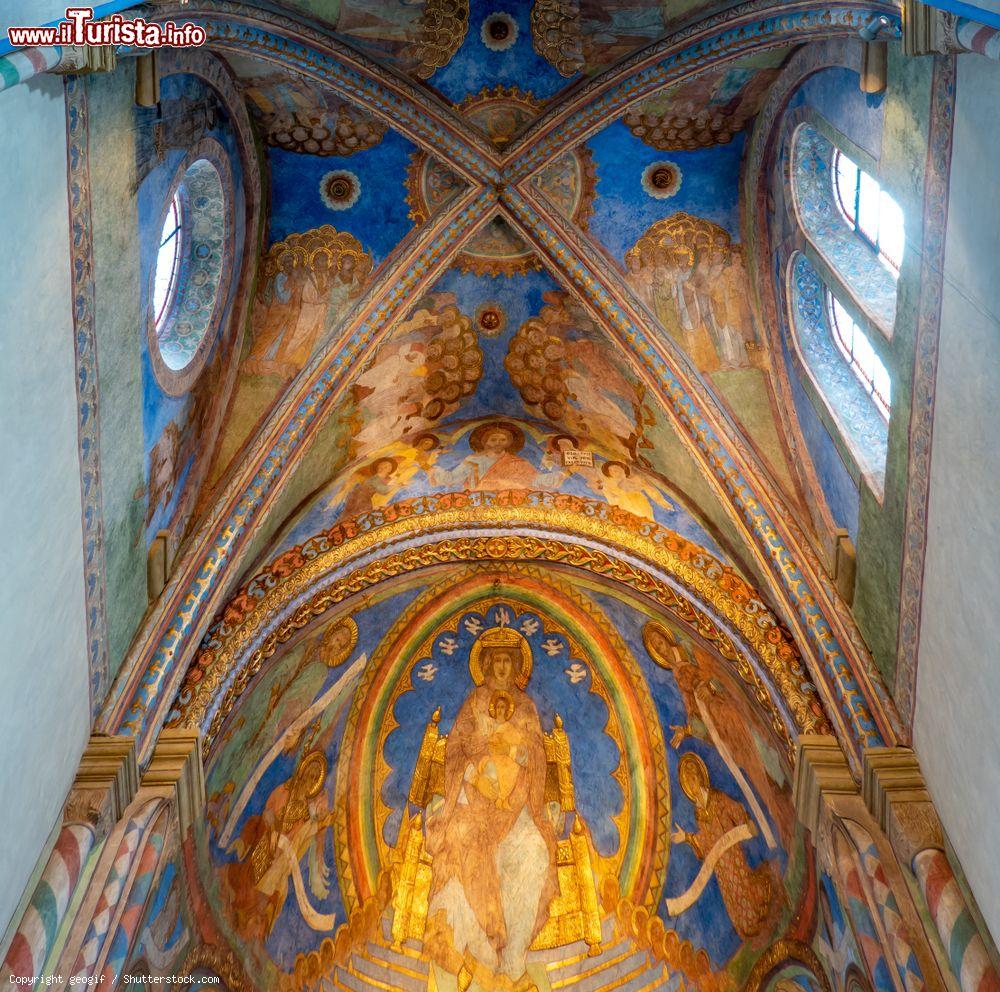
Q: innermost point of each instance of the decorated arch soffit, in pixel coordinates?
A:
(498, 184)
(347, 726)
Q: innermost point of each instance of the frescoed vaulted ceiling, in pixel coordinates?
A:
(504, 390)
(655, 194)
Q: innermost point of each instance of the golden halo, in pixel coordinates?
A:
(501, 637)
(516, 435)
(691, 772)
(332, 658)
(311, 773)
(655, 627)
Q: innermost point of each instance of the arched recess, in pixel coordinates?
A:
(370, 669)
(788, 965)
(838, 487)
(186, 405)
(642, 774)
(141, 700)
(457, 528)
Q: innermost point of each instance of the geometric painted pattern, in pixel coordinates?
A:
(40, 923)
(955, 925)
(135, 905)
(877, 892)
(109, 903)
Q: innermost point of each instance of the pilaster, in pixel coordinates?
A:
(105, 783)
(895, 793)
(830, 804)
(172, 784)
(928, 30)
(176, 774)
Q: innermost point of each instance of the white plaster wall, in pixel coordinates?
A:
(28, 13)
(957, 732)
(44, 707)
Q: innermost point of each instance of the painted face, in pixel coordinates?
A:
(503, 667)
(384, 469)
(658, 643)
(615, 472)
(497, 442)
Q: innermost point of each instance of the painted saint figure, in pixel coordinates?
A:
(292, 824)
(495, 464)
(374, 486)
(747, 892)
(715, 715)
(493, 848)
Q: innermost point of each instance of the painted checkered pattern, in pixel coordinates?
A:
(865, 932)
(135, 906)
(111, 894)
(19, 66)
(978, 37)
(908, 971)
(38, 928)
(955, 925)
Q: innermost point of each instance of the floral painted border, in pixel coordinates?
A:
(85, 355)
(942, 120)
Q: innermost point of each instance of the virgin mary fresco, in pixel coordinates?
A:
(492, 845)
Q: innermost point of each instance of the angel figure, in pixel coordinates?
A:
(292, 824)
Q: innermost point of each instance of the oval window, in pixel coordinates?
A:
(188, 270)
(168, 261)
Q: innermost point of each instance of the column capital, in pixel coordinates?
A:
(86, 58)
(821, 772)
(896, 795)
(927, 30)
(106, 782)
(175, 771)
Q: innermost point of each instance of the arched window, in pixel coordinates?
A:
(853, 225)
(869, 211)
(841, 290)
(842, 367)
(859, 354)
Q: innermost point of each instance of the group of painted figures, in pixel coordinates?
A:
(490, 834)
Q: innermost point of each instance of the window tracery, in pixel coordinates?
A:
(190, 269)
(168, 259)
(843, 224)
(859, 354)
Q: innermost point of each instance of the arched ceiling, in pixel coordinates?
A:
(367, 696)
(503, 277)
